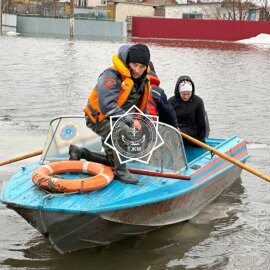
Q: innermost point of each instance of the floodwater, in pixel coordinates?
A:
(41, 78)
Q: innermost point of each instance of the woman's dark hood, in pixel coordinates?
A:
(176, 89)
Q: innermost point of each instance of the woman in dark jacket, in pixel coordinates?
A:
(189, 109)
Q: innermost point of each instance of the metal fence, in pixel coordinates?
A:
(63, 26)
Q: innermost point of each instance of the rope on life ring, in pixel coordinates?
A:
(44, 178)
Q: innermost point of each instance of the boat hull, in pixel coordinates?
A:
(70, 232)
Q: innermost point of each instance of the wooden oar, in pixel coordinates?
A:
(191, 139)
(228, 158)
(132, 170)
(29, 155)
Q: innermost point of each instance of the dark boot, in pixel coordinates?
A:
(74, 152)
(122, 174)
(98, 157)
(77, 153)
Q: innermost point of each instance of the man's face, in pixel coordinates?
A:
(137, 69)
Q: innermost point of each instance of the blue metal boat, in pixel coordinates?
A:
(77, 221)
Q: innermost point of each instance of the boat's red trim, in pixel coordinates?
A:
(216, 160)
(238, 156)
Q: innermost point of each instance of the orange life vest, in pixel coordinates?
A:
(92, 109)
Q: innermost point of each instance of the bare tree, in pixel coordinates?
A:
(234, 9)
(264, 9)
(239, 9)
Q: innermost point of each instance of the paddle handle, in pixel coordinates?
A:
(228, 158)
(29, 155)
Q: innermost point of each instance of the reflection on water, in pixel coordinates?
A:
(42, 78)
(197, 44)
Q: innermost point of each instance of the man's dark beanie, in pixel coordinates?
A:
(139, 53)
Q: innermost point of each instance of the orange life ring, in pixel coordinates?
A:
(45, 179)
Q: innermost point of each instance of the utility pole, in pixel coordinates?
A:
(0, 17)
(71, 20)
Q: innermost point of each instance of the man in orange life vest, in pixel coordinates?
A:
(118, 89)
(158, 103)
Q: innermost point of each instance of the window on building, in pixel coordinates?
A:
(192, 16)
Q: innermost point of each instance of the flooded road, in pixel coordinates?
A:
(41, 78)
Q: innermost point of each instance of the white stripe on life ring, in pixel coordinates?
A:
(49, 168)
(85, 166)
(107, 178)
